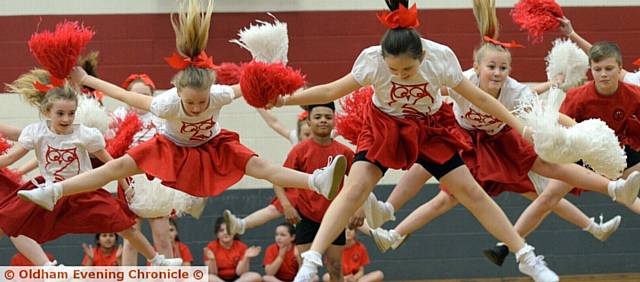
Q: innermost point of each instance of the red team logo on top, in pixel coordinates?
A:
(410, 95)
(62, 159)
(201, 131)
(480, 118)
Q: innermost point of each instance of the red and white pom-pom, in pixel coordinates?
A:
(537, 17)
(349, 119)
(58, 51)
(119, 145)
(267, 42)
(4, 145)
(262, 83)
(227, 73)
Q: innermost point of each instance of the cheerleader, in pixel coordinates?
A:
(191, 153)
(406, 123)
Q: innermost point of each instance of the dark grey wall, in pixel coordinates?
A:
(448, 248)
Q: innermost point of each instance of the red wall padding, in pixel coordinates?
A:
(322, 44)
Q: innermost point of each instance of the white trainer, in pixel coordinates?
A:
(326, 181)
(309, 269)
(386, 239)
(535, 266)
(233, 223)
(45, 196)
(627, 193)
(603, 231)
(376, 212)
(160, 260)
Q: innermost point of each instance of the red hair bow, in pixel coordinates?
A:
(138, 76)
(303, 116)
(401, 18)
(637, 62)
(512, 44)
(55, 82)
(179, 62)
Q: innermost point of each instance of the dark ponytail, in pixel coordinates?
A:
(401, 41)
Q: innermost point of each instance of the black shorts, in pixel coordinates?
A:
(307, 229)
(437, 170)
(633, 156)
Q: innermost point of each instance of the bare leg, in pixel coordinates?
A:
(572, 174)
(565, 210)
(270, 278)
(427, 212)
(540, 207)
(161, 237)
(464, 188)
(139, 242)
(95, 179)
(375, 276)
(249, 277)
(408, 186)
(129, 253)
(361, 181)
(277, 175)
(262, 216)
(30, 249)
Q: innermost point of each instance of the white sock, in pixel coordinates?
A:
(524, 253)
(390, 209)
(612, 186)
(592, 226)
(156, 259)
(311, 183)
(242, 226)
(313, 257)
(395, 235)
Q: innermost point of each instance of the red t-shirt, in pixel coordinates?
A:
(21, 260)
(620, 111)
(308, 156)
(289, 266)
(183, 251)
(227, 259)
(353, 258)
(101, 259)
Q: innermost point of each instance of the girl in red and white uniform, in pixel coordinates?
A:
(192, 153)
(62, 150)
(502, 159)
(406, 123)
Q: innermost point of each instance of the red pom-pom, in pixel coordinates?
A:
(227, 73)
(262, 83)
(637, 62)
(537, 17)
(349, 123)
(4, 145)
(119, 145)
(58, 51)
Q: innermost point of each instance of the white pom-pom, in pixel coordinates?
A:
(591, 141)
(599, 147)
(568, 59)
(267, 42)
(151, 199)
(91, 114)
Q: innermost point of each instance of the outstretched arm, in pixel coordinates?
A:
(324, 93)
(273, 122)
(17, 153)
(487, 103)
(140, 101)
(10, 132)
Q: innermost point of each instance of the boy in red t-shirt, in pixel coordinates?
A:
(354, 259)
(228, 259)
(281, 260)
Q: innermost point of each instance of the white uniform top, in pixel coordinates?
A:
(190, 131)
(61, 156)
(632, 77)
(471, 117)
(150, 123)
(417, 96)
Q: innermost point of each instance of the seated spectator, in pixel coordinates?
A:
(354, 258)
(228, 258)
(281, 260)
(106, 253)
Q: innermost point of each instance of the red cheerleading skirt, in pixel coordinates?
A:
(202, 171)
(91, 212)
(398, 143)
